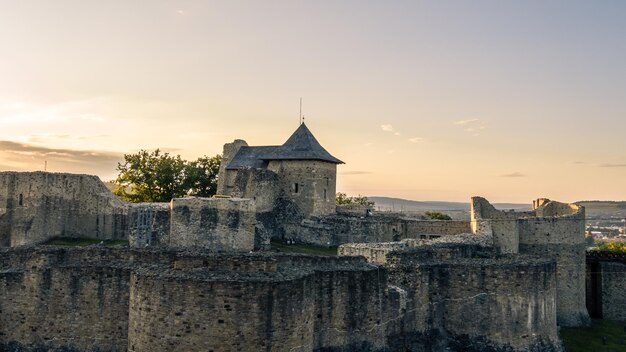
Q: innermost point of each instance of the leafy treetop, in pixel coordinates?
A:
(160, 177)
(343, 199)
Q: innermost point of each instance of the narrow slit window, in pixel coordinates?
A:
(325, 196)
(21, 200)
(296, 187)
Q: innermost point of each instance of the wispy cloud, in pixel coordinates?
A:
(70, 111)
(612, 165)
(387, 128)
(472, 126)
(514, 174)
(355, 173)
(579, 162)
(416, 139)
(465, 122)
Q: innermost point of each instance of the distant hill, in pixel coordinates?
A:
(599, 208)
(398, 204)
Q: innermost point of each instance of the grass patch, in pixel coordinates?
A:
(591, 339)
(302, 249)
(82, 242)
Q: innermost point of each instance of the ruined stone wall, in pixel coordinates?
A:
(613, 290)
(354, 209)
(416, 228)
(225, 178)
(149, 224)
(460, 297)
(57, 303)
(477, 304)
(217, 224)
(260, 185)
(104, 299)
(309, 311)
(561, 238)
(551, 230)
(310, 184)
(335, 230)
(36, 206)
(503, 224)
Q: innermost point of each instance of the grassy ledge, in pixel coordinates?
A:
(82, 242)
(303, 249)
(602, 336)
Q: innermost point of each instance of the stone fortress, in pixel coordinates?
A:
(197, 275)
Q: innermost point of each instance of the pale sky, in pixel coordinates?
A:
(424, 100)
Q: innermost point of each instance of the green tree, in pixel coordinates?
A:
(343, 199)
(612, 246)
(202, 176)
(434, 215)
(160, 177)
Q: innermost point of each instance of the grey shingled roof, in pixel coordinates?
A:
(302, 145)
(251, 157)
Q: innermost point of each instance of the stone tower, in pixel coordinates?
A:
(300, 171)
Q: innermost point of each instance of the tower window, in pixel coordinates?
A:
(21, 200)
(325, 196)
(327, 181)
(296, 187)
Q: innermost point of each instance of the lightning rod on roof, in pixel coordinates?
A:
(300, 116)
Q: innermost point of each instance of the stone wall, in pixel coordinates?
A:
(613, 291)
(562, 239)
(37, 206)
(217, 224)
(335, 230)
(304, 311)
(552, 230)
(460, 297)
(105, 299)
(226, 177)
(260, 185)
(606, 284)
(310, 184)
(503, 224)
(57, 303)
(149, 224)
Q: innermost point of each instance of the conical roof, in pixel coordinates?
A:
(302, 145)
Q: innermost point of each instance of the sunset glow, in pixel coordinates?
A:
(437, 100)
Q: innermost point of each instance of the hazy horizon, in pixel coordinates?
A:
(423, 100)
